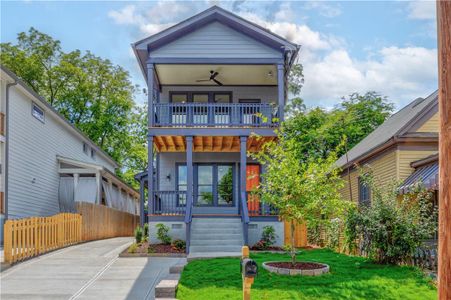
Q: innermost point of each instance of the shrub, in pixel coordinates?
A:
(162, 233)
(146, 230)
(133, 247)
(268, 238)
(138, 234)
(392, 227)
(179, 244)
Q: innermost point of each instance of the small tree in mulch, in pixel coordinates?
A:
(302, 190)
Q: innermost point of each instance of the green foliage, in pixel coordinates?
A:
(138, 234)
(392, 227)
(91, 92)
(301, 190)
(146, 230)
(133, 248)
(178, 244)
(296, 79)
(269, 235)
(317, 131)
(163, 233)
(351, 277)
(268, 238)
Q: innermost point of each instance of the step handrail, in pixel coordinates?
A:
(244, 217)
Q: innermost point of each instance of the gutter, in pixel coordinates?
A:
(8, 86)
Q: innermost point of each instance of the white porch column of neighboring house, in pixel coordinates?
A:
(99, 187)
(76, 179)
(281, 90)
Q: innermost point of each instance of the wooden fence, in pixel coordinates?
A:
(300, 234)
(101, 222)
(29, 237)
(25, 238)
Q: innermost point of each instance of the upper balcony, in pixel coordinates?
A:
(235, 115)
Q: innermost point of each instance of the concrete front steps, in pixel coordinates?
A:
(212, 235)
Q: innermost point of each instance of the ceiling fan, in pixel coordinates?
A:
(213, 75)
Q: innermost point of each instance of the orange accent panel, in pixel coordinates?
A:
(252, 181)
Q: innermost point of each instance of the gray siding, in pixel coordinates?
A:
(33, 177)
(267, 94)
(215, 41)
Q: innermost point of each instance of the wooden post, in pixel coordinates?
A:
(444, 95)
(247, 281)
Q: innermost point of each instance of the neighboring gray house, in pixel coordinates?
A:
(46, 163)
(214, 80)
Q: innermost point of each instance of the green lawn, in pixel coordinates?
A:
(350, 278)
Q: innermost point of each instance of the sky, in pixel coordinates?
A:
(346, 46)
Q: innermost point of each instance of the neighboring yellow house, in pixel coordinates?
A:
(394, 149)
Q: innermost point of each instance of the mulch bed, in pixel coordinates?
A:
(272, 248)
(157, 250)
(296, 266)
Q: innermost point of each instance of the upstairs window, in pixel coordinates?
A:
(364, 193)
(85, 148)
(93, 153)
(38, 113)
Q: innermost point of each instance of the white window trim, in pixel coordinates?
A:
(33, 105)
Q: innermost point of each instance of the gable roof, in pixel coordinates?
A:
(214, 13)
(399, 124)
(52, 110)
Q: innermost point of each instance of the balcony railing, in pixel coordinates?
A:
(215, 114)
(169, 203)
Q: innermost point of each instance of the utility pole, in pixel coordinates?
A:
(444, 96)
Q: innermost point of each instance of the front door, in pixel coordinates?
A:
(213, 185)
(252, 182)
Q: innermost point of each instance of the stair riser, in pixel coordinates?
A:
(210, 237)
(195, 249)
(217, 243)
(217, 225)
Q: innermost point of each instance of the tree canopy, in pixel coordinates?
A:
(92, 93)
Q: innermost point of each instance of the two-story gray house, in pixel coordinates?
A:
(215, 81)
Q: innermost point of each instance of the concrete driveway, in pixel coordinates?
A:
(87, 271)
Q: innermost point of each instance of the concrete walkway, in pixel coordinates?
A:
(87, 271)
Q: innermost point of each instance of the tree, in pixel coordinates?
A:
(92, 93)
(302, 191)
(318, 131)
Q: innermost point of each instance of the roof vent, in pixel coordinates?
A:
(417, 101)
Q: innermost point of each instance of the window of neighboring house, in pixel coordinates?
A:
(38, 113)
(364, 193)
(93, 153)
(85, 148)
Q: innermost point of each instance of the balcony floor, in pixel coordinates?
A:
(210, 143)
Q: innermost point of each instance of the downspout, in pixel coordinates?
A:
(8, 86)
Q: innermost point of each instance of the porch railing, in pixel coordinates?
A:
(169, 203)
(258, 208)
(215, 114)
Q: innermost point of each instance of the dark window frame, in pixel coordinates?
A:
(211, 95)
(364, 190)
(39, 110)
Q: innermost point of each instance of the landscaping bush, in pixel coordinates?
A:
(162, 233)
(146, 230)
(268, 238)
(178, 244)
(132, 248)
(392, 227)
(138, 234)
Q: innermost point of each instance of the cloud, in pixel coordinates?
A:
(402, 74)
(324, 9)
(421, 10)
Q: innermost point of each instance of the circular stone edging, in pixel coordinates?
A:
(292, 272)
